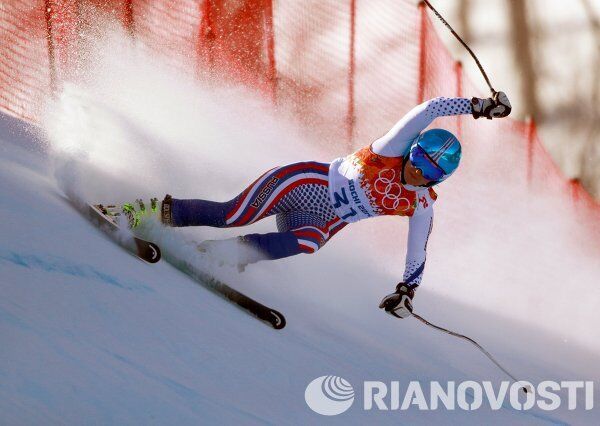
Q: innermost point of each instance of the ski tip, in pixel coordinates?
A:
(277, 320)
(155, 254)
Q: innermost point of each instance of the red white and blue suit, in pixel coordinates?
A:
(313, 201)
(297, 194)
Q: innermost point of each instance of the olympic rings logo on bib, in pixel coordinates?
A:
(385, 185)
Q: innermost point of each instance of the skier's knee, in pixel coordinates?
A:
(308, 248)
(310, 239)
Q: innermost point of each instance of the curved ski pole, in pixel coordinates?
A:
(441, 18)
(462, 336)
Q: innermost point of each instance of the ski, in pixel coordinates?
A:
(151, 253)
(145, 250)
(263, 313)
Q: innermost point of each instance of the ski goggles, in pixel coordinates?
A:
(423, 161)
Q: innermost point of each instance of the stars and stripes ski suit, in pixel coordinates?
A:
(312, 201)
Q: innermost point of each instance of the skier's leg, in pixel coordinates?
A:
(299, 232)
(305, 218)
(270, 194)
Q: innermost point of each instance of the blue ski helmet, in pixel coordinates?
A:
(436, 153)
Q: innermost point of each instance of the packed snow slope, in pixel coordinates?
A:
(92, 334)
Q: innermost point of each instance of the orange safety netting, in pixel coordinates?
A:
(347, 68)
(25, 57)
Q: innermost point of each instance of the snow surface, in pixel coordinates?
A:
(92, 335)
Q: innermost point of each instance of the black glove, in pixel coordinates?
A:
(399, 303)
(496, 107)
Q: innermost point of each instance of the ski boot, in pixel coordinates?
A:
(139, 211)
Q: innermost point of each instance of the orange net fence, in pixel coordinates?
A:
(349, 68)
(25, 73)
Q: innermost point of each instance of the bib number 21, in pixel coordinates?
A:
(341, 198)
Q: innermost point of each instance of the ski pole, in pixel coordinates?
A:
(441, 18)
(477, 345)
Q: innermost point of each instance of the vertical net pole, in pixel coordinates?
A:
(128, 18)
(422, 59)
(206, 37)
(62, 23)
(50, 39)
(270, 33)
(459, 93)
(530, 137)
(574, 185)
(351, 119)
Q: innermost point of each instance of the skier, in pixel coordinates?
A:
(313, 201)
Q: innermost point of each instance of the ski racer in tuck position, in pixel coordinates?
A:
(313, 201)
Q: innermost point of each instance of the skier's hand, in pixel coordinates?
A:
(496, 107)
(399, 303)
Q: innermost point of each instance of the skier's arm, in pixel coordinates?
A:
(418, 233)
(396, 142)
(399, 303)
